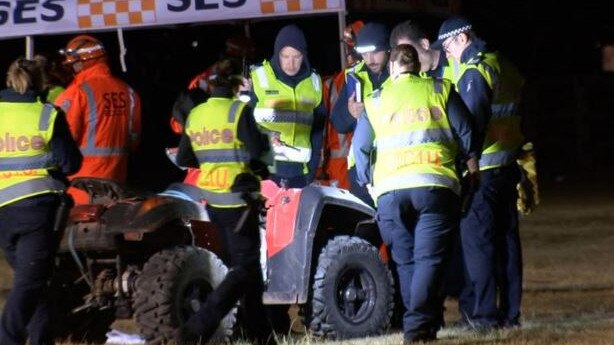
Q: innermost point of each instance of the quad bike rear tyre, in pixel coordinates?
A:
(353, 291)
(172, 286)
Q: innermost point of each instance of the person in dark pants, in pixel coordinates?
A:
(491, 87)
(36, 154)
(417, 127)
(222, 138)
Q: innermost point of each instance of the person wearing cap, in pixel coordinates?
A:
(230, 183)
(410, 32)
(333, 168)
(418, 127)
(432, 62)
(36, 153)
(104, 113)
(371, 73)
(287, 99)
(491, 87)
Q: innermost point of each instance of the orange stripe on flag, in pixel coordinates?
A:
(110, 19)
(96, 8)
(85, 22)
(294, 5)
(121, 6)
(320, 5)
(148, 5)
(135, 17)
(267, 7)
(82, 2)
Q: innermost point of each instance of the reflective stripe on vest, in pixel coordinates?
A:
(415, 181)
(222, 156)
(41, 161)
(90, 148)
(430, 135)
(283, 116)
(30, 188)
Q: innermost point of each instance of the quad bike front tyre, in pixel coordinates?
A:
(353, 291)
(172, 286)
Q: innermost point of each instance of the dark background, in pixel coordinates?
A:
(569, 101)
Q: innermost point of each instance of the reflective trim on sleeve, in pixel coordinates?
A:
(497, 159)
(315, 79)
(291, 154)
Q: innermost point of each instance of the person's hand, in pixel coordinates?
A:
(246, 85)
(355, 108)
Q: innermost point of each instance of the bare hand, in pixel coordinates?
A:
(355, 108)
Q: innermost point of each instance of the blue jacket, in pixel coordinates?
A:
(340, 116)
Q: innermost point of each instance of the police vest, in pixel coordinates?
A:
(25, 155)
(286, 112)
(367, 88)
(415, 146)
(503, 136)
(212, 129)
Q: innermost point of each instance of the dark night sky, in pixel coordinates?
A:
(545, 39)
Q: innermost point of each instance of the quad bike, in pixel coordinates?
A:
(156, 258)
(124, 255)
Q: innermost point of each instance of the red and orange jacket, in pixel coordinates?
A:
(104, 115)
(336, 147)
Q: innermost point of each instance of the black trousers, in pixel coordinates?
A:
(243, 281)
(29, 244)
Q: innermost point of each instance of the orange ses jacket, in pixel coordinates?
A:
(104, 115)
(336, 146)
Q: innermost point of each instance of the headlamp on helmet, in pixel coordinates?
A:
(82, 48)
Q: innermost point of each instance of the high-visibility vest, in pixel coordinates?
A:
(286, 112)
(415, 146)
(336, 147)
(25, 155)
(367, 88)
(504, 135)
(212, 129)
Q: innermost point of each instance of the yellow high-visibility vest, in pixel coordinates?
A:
(415, 146)
(212, 129)
(286, 112)
(25, 155)
(503, 136)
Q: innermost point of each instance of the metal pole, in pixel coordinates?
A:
(122, 49)
(341, 21)
(29, 47)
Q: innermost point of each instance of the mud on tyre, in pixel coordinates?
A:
(353, 291)
(172, 286)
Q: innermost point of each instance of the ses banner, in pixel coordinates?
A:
(20, 18)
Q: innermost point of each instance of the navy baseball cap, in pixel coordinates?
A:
(450, 28)
(371, 38)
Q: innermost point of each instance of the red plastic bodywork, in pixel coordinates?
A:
(282, 213)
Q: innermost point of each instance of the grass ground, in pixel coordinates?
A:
(569, 275)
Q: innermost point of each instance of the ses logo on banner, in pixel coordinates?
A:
(20, 18)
